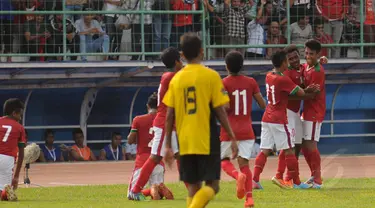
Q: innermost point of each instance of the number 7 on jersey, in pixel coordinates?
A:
(7, 133)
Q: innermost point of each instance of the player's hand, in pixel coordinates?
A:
(323, 60)
(312, 88)
(15, 183)
(234, 148)
(169, 157)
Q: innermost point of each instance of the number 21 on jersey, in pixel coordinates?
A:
(237, 94)
(271, 94)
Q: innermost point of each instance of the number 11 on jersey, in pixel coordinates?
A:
(237, 95)
(271, 94)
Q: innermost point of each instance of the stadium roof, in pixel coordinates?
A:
(125, 74)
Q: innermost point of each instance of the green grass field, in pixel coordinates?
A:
(337, 193)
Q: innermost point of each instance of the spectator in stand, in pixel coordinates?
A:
(114, 150)
(49, 151)
(6, 33)
(162, 25)
(352, 34)
(36, 36)
(274, 37)
(55, 43)
(182, 23)
(322, 37)
(300, 8)
(111, 30)
(217, 25)
(135, 21)
(131, 151)
(92, 37)
(79, 151)
(301, 31)
(234, 17)
(369, 27)
(333, 12)
(257, 31)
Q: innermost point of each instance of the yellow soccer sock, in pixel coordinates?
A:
(188, 201)
(202, 197)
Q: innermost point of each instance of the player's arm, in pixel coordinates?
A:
(102, 155)
(132, 137)
(21, 153)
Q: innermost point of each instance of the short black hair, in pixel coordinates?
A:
(191, 45)
(116, 134)
(313, 45)
(234, 61)
(77, 131)
(152, 101)
(47, 132)
(318, 21)
(169, 57)
(12, 105)
(278, 58)
(291, 48)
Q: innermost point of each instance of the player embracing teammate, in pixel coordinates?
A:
(241, 89)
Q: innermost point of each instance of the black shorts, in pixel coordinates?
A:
(198, 168)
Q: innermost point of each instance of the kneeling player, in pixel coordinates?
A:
(275, 130)
(241, 90)
(141, 134)
(12, 141)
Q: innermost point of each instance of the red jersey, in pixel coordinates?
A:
(296, 76)
(315, 109)
(240, 90)
(143, 126)
(278, 87)
(12, 134)
(162, 108)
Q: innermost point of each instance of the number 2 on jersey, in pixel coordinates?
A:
(237, 95)
(271, 94)
(7, 133)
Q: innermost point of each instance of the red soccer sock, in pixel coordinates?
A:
(249, 181)
(229, 168)
(178, 168)
(315, 165)
(306, 154)
(146, 171)
(146, 192)
(260, 161)
(292, 164)
(281, 165)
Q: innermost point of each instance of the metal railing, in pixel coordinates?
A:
(205, 33)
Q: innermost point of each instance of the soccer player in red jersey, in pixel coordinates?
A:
(141, 134)
(241, 90)
(12, 142)
(171, 59)
(275, 130)
(313, 110)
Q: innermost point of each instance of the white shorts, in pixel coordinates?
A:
(158, 142)
(295, 124)
(156, 177)
(6, 170)
(311, 130)
(245, 148)
(275, 134)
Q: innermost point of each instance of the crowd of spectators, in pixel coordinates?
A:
(234, 22)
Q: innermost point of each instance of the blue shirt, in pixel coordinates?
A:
(6, 5)
(51, 155)
(113, 154)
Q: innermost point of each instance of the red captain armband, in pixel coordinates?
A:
(134, 130)
(21, 144)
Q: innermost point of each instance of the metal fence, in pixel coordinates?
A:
(139, 29)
